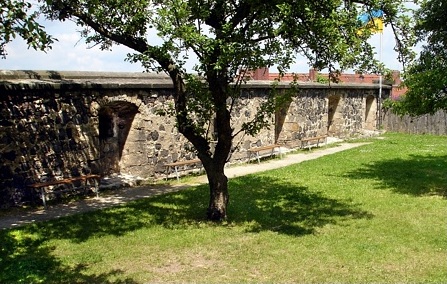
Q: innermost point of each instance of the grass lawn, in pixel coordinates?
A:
(376, 213)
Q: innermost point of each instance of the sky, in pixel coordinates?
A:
(70, 53)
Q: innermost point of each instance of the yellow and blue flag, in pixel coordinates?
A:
(372, 20)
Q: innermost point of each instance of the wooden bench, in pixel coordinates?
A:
(256, 151)
(180, 166)
(317, 139)
(82, 179)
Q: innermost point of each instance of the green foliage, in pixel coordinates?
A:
(426, 78)
(322, 79)
(229, 36)
(393, 105)
(17, 19)
(225, 36)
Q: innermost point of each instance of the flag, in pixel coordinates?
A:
(371, 20)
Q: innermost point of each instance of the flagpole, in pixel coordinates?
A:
(380, 83)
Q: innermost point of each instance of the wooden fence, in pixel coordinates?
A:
(426, 124)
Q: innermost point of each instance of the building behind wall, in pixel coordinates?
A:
(62, 124)
(264, 74)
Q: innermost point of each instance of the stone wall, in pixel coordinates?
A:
(63, 124)
(43, 135)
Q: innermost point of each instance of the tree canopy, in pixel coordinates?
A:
(426, 78)
(226, 37)
(17, 19)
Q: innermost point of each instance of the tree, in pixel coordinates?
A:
(426, 79)
(226, 37)
(16, 19)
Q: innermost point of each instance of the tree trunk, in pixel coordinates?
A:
(219, 196)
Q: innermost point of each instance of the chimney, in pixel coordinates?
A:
(396, 77)
(261, 74)
(313, 75)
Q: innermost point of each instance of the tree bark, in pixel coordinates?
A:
(219, 195)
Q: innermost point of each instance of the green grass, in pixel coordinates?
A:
(376, 213)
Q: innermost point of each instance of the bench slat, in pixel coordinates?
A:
(85, 178)
(313, 138)
(176, 166)
(64, 181)
(181, 163)
(256, 150)
(262, 148)
(308, 139)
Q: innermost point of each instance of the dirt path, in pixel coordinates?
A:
(20, 217)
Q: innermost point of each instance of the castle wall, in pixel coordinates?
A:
(55, 125)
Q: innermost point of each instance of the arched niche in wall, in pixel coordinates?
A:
(115, 121)
(281, 120)
(334, 116)
(370, 113)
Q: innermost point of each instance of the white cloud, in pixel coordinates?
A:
(68, 53)
(71, 53)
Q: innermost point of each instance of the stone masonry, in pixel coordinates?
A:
(64, 124)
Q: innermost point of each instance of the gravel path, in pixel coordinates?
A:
(20, 217)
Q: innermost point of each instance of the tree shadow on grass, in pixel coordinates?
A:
(269, 203)
(419, 175)
(26, 259)
(258, 203)
(287, 208)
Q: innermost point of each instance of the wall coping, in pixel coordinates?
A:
(48, 79)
